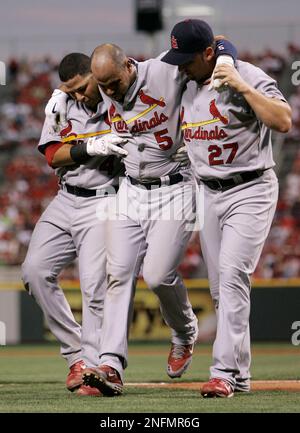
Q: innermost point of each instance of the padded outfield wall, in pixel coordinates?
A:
(275, 311)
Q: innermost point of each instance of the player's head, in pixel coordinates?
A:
(192, 43)
(113, 70)
(75, 73)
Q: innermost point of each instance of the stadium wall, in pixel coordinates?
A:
(275, 307)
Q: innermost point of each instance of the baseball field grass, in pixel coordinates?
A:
(32, 380)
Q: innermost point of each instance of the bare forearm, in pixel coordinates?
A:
(62, 157)
(275, 114)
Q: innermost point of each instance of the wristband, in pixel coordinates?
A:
(225, 47)
(78, 153)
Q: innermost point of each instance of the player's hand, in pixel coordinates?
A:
(56, 110)
(107, 145)
(216, 82)
(229, 76)
(181, 156)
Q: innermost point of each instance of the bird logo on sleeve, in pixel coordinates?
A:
(216, 113)
(148, 100)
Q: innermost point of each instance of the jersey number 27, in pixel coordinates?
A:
(215, 152)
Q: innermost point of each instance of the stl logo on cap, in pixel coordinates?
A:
(174, 42)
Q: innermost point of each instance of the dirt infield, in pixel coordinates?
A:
(256, 385)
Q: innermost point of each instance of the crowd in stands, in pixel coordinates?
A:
(27, 183)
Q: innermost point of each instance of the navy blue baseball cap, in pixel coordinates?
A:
(188, 38)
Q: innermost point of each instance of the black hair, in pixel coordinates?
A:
(74, 64)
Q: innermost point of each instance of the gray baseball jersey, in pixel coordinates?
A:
(149, 119)
(98, 171)
(222, 133)
(225, 138)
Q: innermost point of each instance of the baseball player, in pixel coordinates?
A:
(228, 136)
(74, 225)
(154, 213)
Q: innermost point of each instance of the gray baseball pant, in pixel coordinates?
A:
(236, 225)
(68, 229)
(154, 226)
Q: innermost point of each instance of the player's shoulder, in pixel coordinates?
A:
(72, 105)
(156, 66)
(173, 69)
(155, 61)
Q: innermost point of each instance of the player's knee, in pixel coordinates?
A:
(232, 279)
(93, 298)
(118, 276)
(215, 295)
(154, 279)
(29, 268)
(27, 275)
(26, 270)
(33, 269)
(94, 306)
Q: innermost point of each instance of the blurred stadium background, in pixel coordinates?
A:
(33, 38)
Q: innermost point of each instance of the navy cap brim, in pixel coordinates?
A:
(174, 57)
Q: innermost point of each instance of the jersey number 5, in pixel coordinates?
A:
(165, 142)
(216, 151)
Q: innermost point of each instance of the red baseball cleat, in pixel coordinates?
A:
(74, 378)
(216, 388)
(84, 390)
(105, 378)
(179, 359)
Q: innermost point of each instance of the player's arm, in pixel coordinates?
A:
(63, 154)
(273, 112)
(59, 155)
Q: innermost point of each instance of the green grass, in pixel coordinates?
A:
(32, 380)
